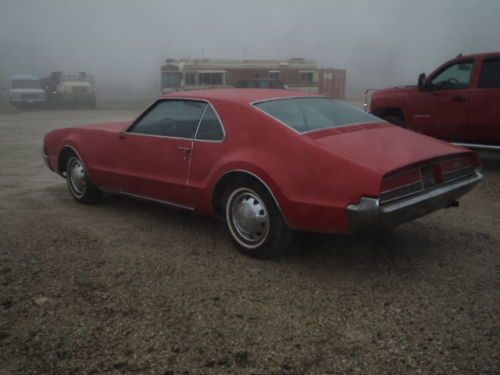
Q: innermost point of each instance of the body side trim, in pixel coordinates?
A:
(477, 146)
(145, 198)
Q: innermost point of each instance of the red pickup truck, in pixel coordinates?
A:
(458, 102)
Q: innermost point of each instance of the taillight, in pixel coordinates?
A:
(457, 168)
(401, 185)
(425, 177)
(400, 180)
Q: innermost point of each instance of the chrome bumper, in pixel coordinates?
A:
(370, 216)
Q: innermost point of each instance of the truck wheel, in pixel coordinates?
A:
(254, 221)
(396, 120)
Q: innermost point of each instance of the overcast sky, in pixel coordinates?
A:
(124, 43)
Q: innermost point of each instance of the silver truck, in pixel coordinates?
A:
(67, 88)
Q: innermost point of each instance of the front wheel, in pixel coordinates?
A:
(254, 221)
(79, 185)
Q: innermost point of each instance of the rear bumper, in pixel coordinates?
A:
(370, 216)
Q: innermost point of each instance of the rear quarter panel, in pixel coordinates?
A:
(313, 187)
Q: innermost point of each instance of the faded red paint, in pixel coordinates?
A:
(314, 177)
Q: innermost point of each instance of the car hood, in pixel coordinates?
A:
(381, 146)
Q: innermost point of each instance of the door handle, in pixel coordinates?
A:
(187, 150)
(458, 98)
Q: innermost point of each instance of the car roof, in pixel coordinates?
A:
(240, 96)
(479, 55)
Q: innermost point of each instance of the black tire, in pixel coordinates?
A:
(79, 184)
(396, 120)
(260, 231)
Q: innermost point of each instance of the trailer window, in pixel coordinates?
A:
(211, 78)
(190, 79)
(169, 79)
(308, 77)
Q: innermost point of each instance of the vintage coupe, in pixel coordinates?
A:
(268, 162)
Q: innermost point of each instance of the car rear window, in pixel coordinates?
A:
(309, 114)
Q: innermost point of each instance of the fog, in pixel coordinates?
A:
(124, 43)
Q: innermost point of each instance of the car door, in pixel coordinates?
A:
(441, 110)
(155, 152)
(484, 114)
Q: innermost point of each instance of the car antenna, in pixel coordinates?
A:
(460, 54)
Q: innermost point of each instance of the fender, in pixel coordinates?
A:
(250, 169)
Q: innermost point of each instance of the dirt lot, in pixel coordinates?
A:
(130, 287)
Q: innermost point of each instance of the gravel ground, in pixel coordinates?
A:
(130, 287)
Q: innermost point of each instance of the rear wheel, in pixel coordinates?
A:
(79, 185)
(254, 221)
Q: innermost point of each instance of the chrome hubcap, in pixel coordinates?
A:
(77, 177)
(249, 217)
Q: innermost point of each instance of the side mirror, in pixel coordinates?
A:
(422, 83)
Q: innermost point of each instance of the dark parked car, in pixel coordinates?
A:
(261, 84)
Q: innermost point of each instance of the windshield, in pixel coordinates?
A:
(73, 77)
(25, 84)
(171, 79)
(309, 114)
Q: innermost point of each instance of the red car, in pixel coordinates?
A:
(458, 102)
(268, 162)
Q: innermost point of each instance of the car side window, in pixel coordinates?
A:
(171, 118)
(455, 77)
(490, 74)
(210, 128)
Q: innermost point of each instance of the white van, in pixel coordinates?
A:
(24, 90)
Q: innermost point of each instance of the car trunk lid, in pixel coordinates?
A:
(383, 147)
